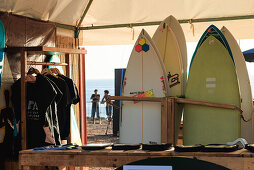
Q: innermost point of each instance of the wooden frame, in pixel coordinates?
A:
(241, 159)
(169, 106)
(238, 160)
(38, 50)
(167, 114)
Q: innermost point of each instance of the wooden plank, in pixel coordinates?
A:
(128, 98)
(47, 50)
(82, 92)
(23, 99)
(171, 120)
(209, 104)
(164, 120)
(68, 74)
(232, 160)
(46, 63)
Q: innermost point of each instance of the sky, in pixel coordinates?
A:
(102, 60)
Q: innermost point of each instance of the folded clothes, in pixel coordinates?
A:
(59, 147)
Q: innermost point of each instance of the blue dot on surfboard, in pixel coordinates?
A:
(145, 47)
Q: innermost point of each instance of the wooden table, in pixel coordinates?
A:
(241, 159)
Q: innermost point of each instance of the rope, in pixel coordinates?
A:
(132, 30)
(192, 27)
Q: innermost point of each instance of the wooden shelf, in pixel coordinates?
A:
(46, 63)
(24, 51)
(240, 159)
(46, 50)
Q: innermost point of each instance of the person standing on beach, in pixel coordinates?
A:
(108, 104)
(95, 105)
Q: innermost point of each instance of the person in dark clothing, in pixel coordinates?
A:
(95, 105)
(109, 104)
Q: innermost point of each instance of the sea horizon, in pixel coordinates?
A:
(100, 85)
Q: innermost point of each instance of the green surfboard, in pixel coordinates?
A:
(212, 77)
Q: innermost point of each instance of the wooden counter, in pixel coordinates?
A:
(241, 159)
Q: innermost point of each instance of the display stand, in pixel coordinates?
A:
(241, 159)
(24, 51)
(169, 106)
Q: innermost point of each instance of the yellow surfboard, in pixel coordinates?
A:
(170, 41)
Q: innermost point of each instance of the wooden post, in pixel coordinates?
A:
(171, 120)
(82, 91)
(68, 74)
(68, 67)
(164, 118)
(23, 98)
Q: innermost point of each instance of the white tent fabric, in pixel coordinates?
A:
(60, 11)
(108, 12)
(111, 12)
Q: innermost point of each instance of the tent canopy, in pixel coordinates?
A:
(119, 21)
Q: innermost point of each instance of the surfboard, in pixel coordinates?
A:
(75, 134)
(247, 128)
(2, 46)
(171, 44)
(144, 77)
(212, 77)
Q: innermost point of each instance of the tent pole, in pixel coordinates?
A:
(158, 22)
(77, 30)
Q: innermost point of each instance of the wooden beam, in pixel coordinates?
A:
(82, 91)
(23, 99)
(46, 63)
(209, 104)
(68, 74)
(46, 50)
(127, 98)
(164, 121)
(171, 119)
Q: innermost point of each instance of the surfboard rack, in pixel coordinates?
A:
(24, 51)
(169, 106)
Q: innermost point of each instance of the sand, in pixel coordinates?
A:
(96, 134)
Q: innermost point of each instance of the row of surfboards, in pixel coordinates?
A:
(158, 67)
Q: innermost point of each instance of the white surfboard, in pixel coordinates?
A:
(170, 41)
(247, 128)
(144, 77)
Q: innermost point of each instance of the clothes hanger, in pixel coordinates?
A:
(56, 71)
(30, 77)
(46, 71)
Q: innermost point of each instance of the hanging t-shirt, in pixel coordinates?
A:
(74, 95)
(63, 103)
(40, 95)
(52, 111)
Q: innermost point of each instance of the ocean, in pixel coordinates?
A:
(100, 85)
